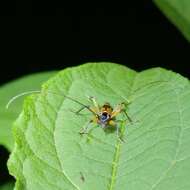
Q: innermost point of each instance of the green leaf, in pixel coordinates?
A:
(178, 11)
(51, 154)
(7, 91)
(7, 186)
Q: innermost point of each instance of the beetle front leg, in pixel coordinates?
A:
(84, 130)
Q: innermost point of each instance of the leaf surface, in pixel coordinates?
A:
(7, 186)
(178, 11)
(7, 91)
(51, 154)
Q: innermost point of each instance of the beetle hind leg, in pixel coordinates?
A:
(114, 124)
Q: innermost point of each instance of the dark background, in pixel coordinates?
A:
(48, 37)
(38, 37)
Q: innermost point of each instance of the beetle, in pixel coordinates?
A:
(104, 115)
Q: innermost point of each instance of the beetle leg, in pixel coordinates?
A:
(129, 118)
(96, 107)
(116, 110)
(114, 124)
(84, 130)
(118, 135)
(78, 111)
(123, 109)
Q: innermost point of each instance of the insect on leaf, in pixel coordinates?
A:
(51, 154)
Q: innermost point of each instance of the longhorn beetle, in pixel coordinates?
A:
(104, 115)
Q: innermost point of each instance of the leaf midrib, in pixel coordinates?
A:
(118, 148)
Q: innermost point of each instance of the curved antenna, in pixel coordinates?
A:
(20, 95)
(38, 91)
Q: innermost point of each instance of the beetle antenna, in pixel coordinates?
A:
(38, 91)
(20, 95)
